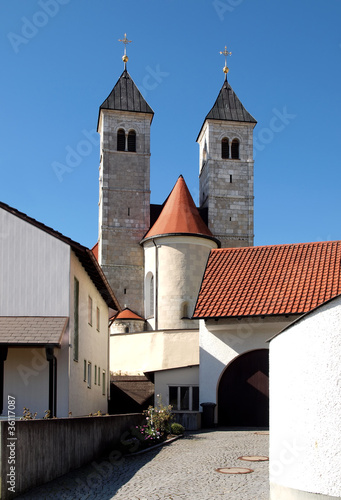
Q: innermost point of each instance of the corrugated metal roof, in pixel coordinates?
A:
(269, 280)
(32, 330)
(125, 96)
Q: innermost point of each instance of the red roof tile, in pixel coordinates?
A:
(95, 250)
(179, 215)
(127, 314)
(279, 279)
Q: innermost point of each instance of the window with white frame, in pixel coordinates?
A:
(85, 369)
(184, 397)
(95, 377)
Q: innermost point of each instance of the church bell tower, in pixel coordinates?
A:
(124, 187)
(226, 168)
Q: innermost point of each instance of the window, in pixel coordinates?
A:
(149, 291)
(121, 140)
(90, 310)
(225, 148)
(132, 141)
(84, 373)
(89, 375)
(99, 376)
(103, 383)
(235, 149)
(95, 378)
(75, 318)
(98, 319)
(184, 398)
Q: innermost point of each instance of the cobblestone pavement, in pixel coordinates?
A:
(184, 469)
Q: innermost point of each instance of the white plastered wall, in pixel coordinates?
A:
(223, 340)
(187, 376)
(305, 406)
(93, 346)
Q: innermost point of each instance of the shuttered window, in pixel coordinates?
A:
(132, 141)
(121, 140)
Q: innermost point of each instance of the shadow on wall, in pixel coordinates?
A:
(130, 394)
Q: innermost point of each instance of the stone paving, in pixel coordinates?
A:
(184, 469)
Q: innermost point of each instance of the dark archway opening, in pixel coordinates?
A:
(243, 393)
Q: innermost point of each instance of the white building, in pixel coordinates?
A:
(54, 311)
(305, 406)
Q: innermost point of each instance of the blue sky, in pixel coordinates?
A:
(61, 58)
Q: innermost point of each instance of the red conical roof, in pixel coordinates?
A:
(179, 215)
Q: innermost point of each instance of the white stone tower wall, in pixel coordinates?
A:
(226, 185)
(177, 277)
(124, 205)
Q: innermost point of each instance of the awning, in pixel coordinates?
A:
(23, 331)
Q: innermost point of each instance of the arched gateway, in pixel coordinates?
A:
(243, 392)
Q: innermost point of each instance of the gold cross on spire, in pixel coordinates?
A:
(226, 53)
(125, 57)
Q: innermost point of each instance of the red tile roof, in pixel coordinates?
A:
(179, 215)
(127, 314)
(95, 250)
(269, 280)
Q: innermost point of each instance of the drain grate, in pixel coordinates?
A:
(234, 470)
(254, 458)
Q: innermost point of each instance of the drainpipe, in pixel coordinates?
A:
(52, 360)
(156, 285)
(3, 357)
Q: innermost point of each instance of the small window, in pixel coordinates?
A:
(89, 375)
(95, 377)
(103, 383)
(132, 141)
(90, 310)
(121, 140)
(184, 310)
(225, 148)
(85, 368)
(99, 376)
(149, 291)
(75, 319)
(235, 149)
(184, 398)
(98, 319)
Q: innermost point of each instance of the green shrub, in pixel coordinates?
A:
(177, 429)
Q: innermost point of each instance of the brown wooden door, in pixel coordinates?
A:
(243, 393)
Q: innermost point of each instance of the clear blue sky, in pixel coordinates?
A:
(61, 58)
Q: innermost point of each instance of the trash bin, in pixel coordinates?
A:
(207, 420)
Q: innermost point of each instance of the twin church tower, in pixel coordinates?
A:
(154, 256)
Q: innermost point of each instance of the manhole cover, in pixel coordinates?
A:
(234, 470)
(254, 458)
(262, 433)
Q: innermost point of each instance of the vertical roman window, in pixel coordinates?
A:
(235, 149)
(98, 319)
(75, 318)
(132, 141)
(89, 375)
(184, 310)
(84, 372)
(90, 310)
(225, 148)
(103, 383)
(121, 140)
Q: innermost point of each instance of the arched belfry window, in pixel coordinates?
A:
(184, 310)
(121, 140)
(132, 141)
(225, 148)
(235, 149)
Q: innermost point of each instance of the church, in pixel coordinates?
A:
(199, 301)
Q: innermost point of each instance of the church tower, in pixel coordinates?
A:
(124, 188)
(226, 168)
